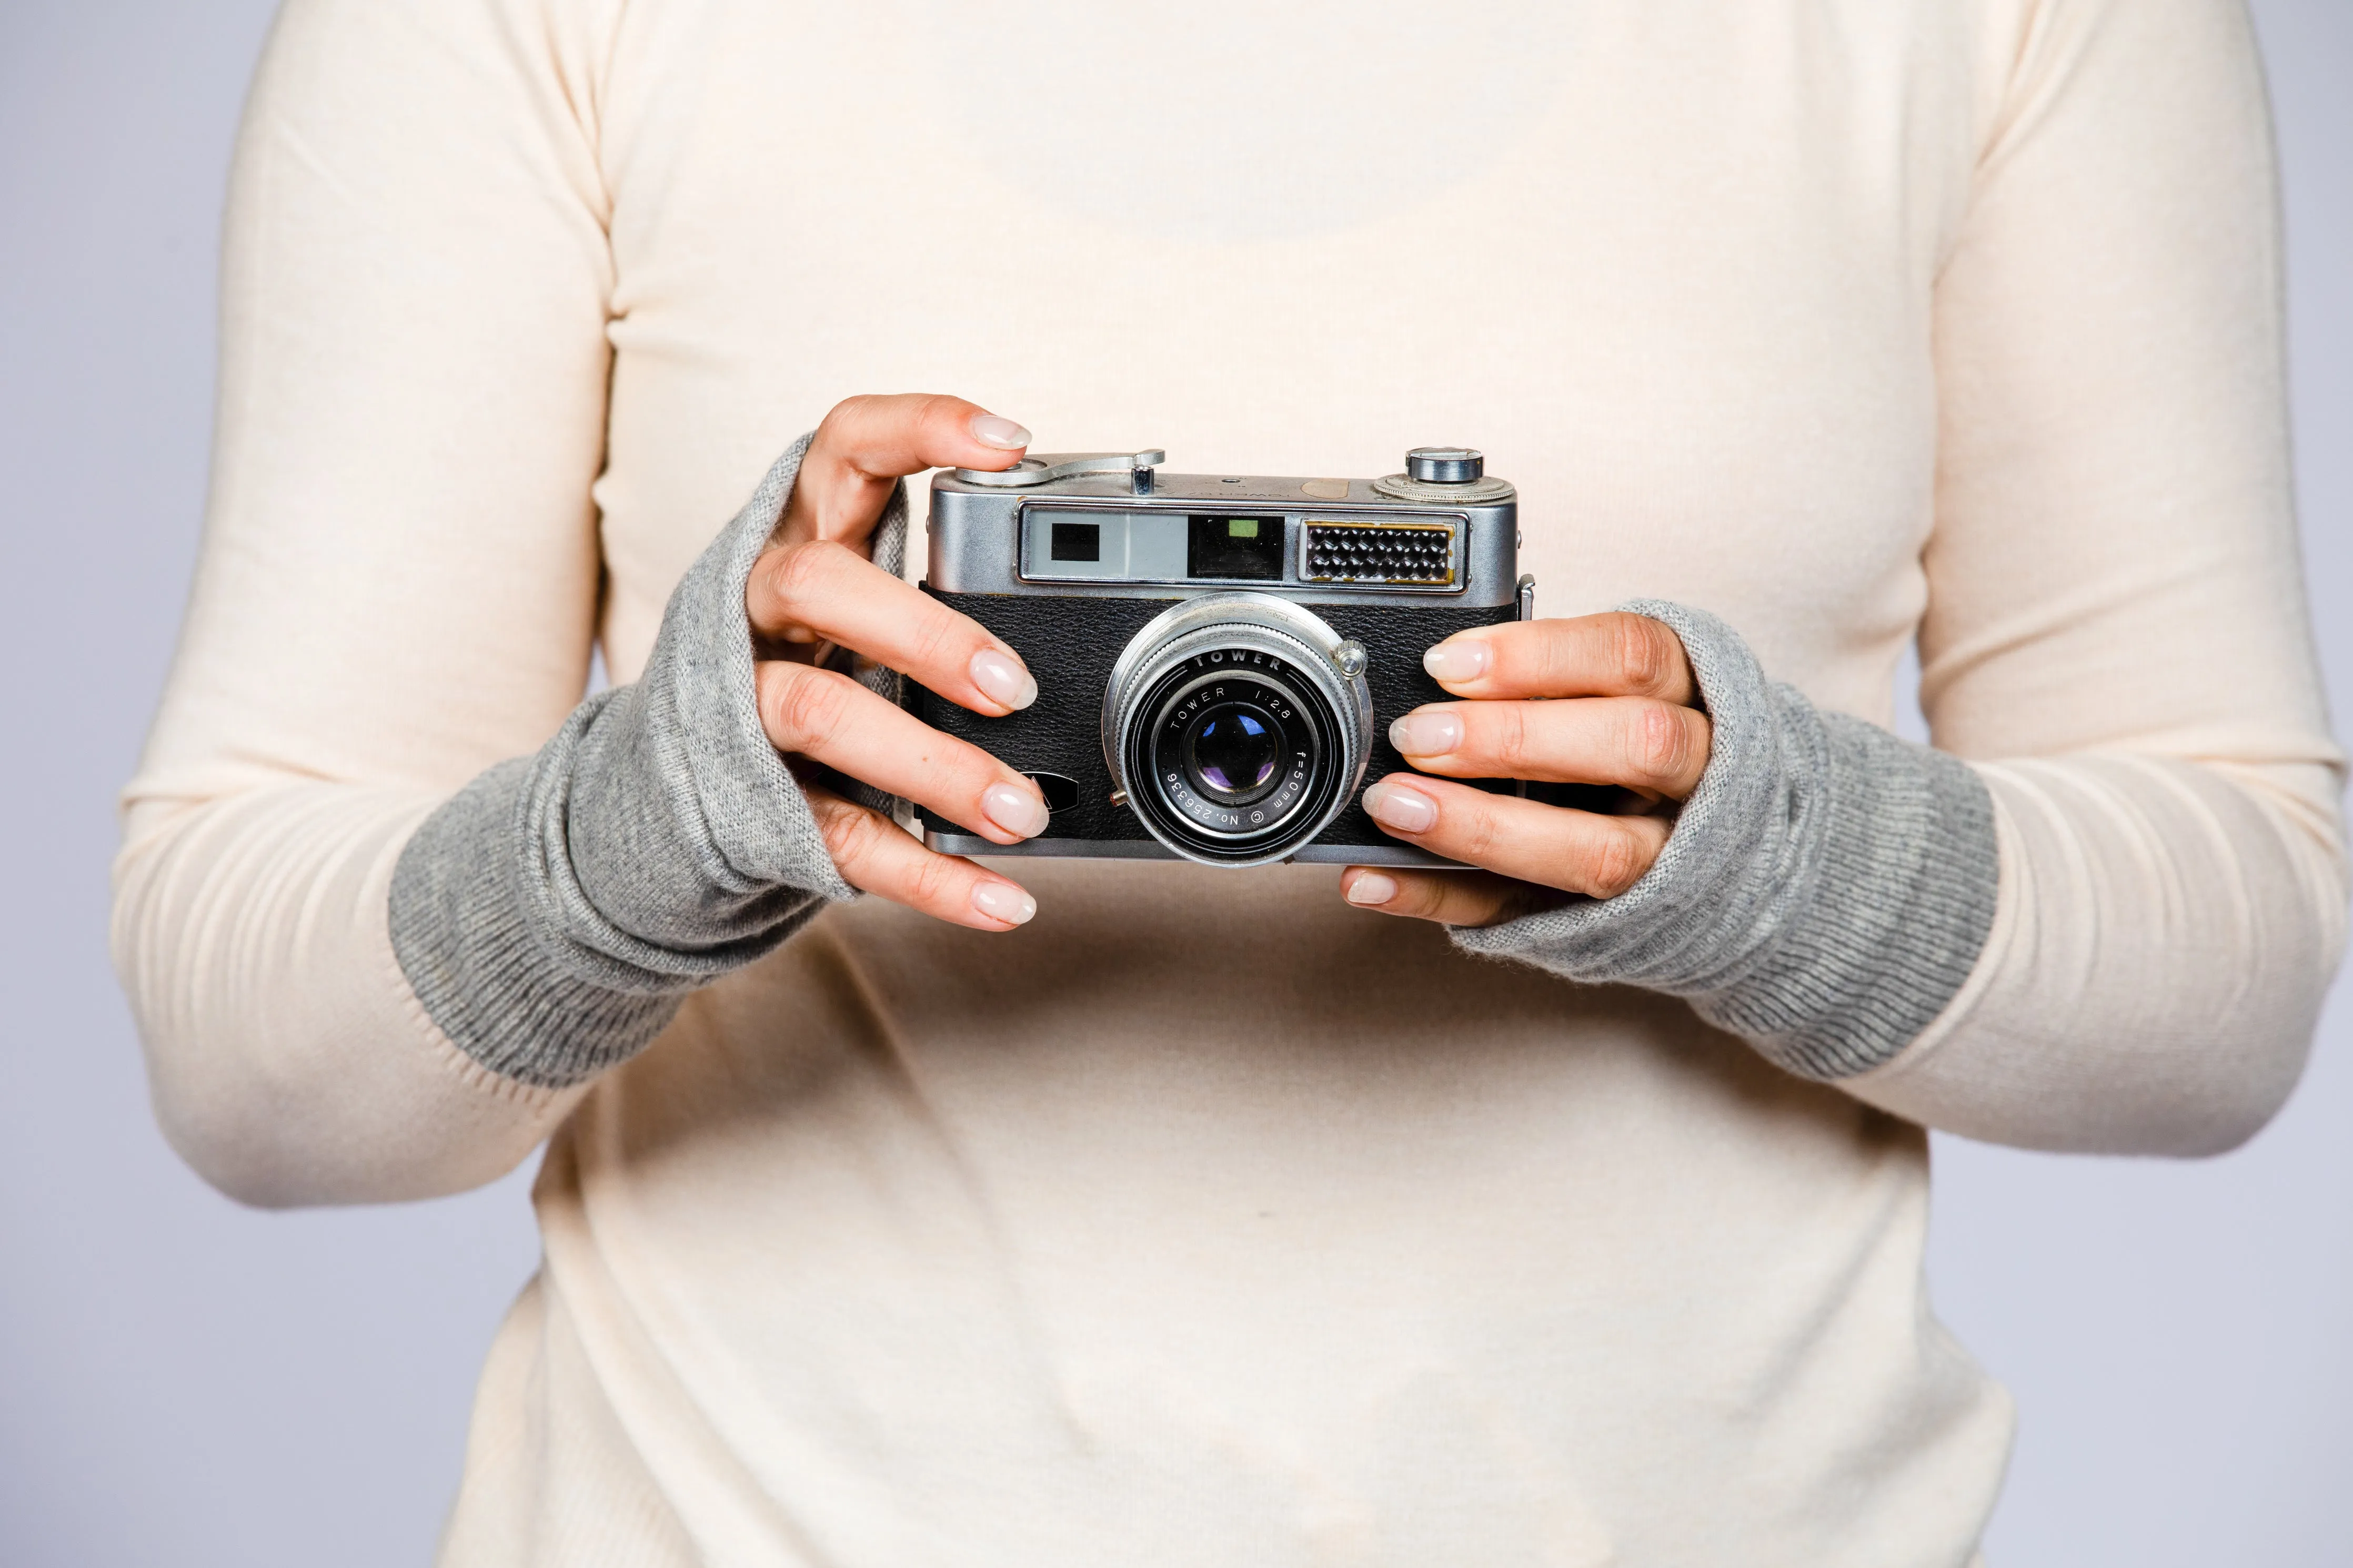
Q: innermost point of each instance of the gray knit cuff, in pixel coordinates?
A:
(551, 915)
(1825, 889)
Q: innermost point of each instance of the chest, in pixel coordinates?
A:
(1669, 264)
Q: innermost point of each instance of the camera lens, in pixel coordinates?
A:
(1236, 727)
(1231, 750)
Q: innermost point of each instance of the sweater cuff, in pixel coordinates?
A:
(551, 915)
(1825, 893)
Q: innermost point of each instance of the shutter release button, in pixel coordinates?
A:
(1444, 465)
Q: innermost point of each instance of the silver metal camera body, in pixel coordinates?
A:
(1217, 657)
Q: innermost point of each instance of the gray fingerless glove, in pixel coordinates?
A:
(1826, 890)
(553, 912)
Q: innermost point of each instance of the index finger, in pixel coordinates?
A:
(844, 598)
(1613, 655)
(866, 445)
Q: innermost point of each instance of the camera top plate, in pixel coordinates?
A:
(1109, 476)
(1442, 528)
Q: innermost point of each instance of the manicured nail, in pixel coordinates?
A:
(1457, 659)
(995, 430)
(1014, 810)
(1429, 732)
(1004, 901)
(1407, 810)
(1372, 888)
(1003, 679)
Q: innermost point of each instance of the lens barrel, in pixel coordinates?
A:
(1238, 725)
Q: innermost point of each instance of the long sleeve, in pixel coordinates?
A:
(398, 585)
(2113, 933)
(2116, 630)
(553, 913)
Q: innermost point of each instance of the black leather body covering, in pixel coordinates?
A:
(1071, 642)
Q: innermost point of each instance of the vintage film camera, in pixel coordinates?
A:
(1218, 659)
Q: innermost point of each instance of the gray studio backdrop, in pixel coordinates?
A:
(182, 1380)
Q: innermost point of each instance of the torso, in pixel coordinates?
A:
(1205, 1219)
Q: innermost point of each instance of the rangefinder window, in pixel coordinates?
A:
(1234, 548)
(1076, 541)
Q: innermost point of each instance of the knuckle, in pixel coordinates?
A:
(768, 690)
(1618, 863)
(1475, 832)
(1416, 897)
(849, 833)
(931, 880)
(803, 706)
(1656, 744)
(937, 411)
(1556, 661)
(1510, 739)
(935, 636)
(1642, 654)
(842, 417)
(803, 571)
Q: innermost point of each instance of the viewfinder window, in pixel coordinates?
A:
(1249, 548)
(1076, 541)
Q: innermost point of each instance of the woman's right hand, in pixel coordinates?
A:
(813, 588)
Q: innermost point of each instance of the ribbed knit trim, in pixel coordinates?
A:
(552, 914)
(507, 992)
(1825, 893)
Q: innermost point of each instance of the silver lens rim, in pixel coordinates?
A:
(1263, 622)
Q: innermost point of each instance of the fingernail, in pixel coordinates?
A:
(1372, 888)
(1003, 679)
(1458, 659)
(1431, 732)
(995, 430)
(1014, 810)
(1004, 901)
(1407, 810)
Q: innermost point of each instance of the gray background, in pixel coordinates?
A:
(185, 1381)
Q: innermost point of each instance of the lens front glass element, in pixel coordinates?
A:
(1232, 749)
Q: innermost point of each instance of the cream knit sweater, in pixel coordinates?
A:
(1206, 1220)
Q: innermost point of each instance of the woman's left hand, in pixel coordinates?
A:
(1598, 700)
